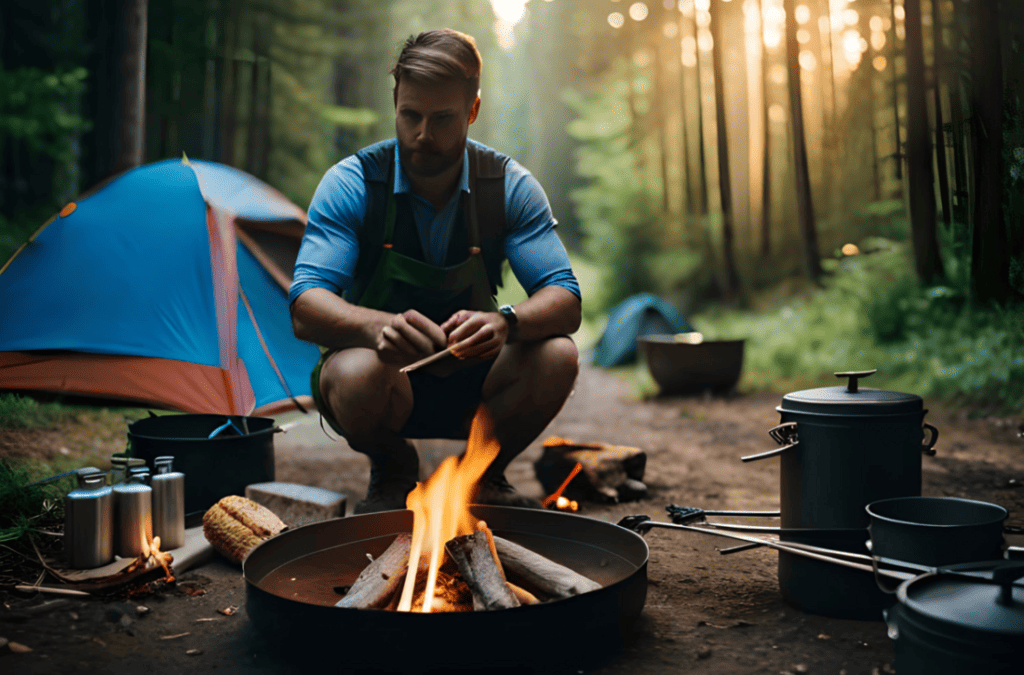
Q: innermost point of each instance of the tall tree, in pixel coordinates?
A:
(731, 286)
(703, 167)
(132, 85)
(805, 203)
(990, 264)
(920, 185)
(691, 199)
(766, 163)
(938, 77)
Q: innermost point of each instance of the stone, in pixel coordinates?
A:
(297, 504)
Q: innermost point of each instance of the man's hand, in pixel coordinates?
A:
(479, 335)
(409, 337)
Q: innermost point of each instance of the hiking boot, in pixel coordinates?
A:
(387, 490)
(499, 492)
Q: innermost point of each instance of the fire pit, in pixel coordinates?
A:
(294, 580)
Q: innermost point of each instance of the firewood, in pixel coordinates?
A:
(611, 473)
(534, 571)
(524, 596)
(480, 571)
(381, 578)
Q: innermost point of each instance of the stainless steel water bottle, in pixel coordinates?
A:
(168, 504)
(133, 502)
(120, 466)
(89, 522)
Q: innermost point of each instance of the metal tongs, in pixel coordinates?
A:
(866, 563)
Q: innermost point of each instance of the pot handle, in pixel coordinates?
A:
(929, 447)
(878, 577)
(785, 435)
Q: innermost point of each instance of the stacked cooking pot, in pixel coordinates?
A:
(842, 448)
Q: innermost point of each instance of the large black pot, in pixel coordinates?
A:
(845, 447)
(291, 583)
(213, 467)
(947, 624)
(827, 589)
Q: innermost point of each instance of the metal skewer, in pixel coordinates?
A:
(892, 574)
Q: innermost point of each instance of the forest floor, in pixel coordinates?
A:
(704, 612)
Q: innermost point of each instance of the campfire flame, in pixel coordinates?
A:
(440, 506)
(556, 499)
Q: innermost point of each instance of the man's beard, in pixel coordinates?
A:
(428, 162)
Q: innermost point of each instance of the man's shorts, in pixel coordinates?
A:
(442, 406)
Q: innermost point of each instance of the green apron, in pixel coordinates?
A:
(400, 283)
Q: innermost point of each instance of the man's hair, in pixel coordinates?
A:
(442, 55)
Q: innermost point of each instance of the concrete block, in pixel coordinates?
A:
(297, 504)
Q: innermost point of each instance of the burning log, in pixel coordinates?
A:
(545, 575)
(376, 585)
(477, 565)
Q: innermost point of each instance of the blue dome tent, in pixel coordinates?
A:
(642, 314)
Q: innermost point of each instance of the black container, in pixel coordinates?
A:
(845, 447)
(951, 625)
(936, 530)
(827, 589)
(216, 467)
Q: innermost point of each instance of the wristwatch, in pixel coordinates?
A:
(509, 312)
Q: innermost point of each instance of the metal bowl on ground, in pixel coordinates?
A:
(291, 581)
(685, 364)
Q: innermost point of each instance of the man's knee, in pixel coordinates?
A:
(347, 372)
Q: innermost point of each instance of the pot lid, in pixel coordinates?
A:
(989, 606)
(851, 399)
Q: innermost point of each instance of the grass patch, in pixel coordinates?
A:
(24, 412)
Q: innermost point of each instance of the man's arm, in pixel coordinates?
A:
(552, 310)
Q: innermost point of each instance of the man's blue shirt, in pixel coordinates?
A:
(330, 247)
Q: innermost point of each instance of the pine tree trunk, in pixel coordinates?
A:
(229, 83)
(898, 155)
(805, 203)
(940, 137)
(688, 193)
(703, 194)
(132, 86)
(920, 185)
(766, 164)
(990, 254)
(724, 179)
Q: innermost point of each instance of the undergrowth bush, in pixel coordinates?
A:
(873, 313)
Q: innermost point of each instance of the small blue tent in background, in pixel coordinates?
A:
(642, 314)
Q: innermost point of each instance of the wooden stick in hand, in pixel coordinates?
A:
(426, 362)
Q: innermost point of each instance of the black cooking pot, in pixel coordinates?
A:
(845, 447)
(291, 583)
(239, 455)
(936, 530)
(948, 624)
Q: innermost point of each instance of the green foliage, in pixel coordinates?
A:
(22, 412)
(618, 208)
(873, 313)
(33, 108)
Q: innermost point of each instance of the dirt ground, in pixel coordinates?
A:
(704, 612)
